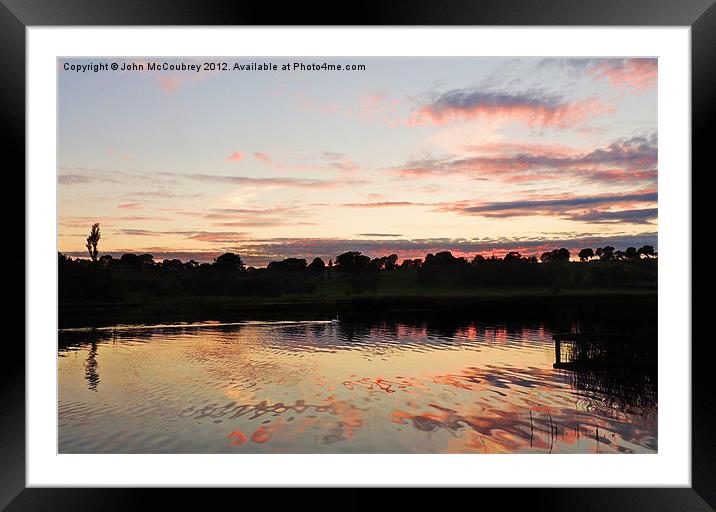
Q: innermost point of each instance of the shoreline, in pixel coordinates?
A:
(524, 303)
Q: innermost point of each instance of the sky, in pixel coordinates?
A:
(406, 156)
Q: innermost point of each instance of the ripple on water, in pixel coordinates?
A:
(317, 387)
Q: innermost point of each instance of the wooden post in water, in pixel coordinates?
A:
(557, 354)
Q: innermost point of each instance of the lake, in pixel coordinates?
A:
(356, 385)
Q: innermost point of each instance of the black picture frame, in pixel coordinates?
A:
(700, 15)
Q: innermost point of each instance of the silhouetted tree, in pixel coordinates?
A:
(377, 263)
(631, 253)
(317, 266)
(585, 254)
(353, 261)
(130, 260)
(606, 253)
(287, 265)
(390, 262)
(647, 251)
(513, 256)
(146, 260)
(105, 260)
(443, 259)
(555, 255)
(92, 241)
(173, 264)
(411, 264)
(357, 267)
(229, 261)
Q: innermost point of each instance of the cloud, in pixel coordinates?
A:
(633, 159)
(170, 81)
(339, 162)
(261, 182)
(531, 207)
(130, 206)
(642, 216)
(265, 158)
(213, 236)
(79, 175)
(105, 221)
(231, 237)
(381, 204)
(161, 194)
(236, 156)
(601, 209)
(164, 179)
(244, 213)
(262, 251)
(73, 179)
(264, 223)
(377, 106)
(636, 74)
(534, 108)
(136, 232)
(379, 235)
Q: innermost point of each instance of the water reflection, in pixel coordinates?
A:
(620, 369)
(91, 368)
(391, 385)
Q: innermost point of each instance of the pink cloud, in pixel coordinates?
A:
(382, 204)
(378, 106)
(236, 156)
(639, 74)
(339, 162)
(625, 160)
(169, 83)
(265, 158)
(130, 206)
(307, 104)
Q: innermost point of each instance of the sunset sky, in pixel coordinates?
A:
(409, 156)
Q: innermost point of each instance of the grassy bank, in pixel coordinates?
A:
(521, 302)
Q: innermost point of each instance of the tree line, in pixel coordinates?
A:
(139, 276)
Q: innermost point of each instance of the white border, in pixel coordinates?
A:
(671, 466)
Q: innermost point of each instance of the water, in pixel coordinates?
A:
(354, 386)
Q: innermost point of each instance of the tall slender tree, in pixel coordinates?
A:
(92, 241)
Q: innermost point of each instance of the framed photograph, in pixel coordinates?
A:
(433, 247)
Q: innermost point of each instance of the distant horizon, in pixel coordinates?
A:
(408, 156)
